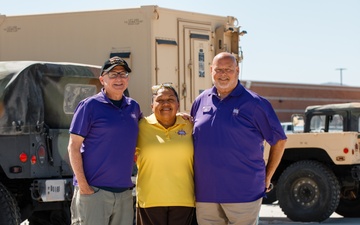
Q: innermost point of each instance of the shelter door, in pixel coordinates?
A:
(195, 58)
(166, 63)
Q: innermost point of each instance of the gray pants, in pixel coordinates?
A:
(102, 207)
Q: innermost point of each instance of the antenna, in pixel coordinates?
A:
(341, 69)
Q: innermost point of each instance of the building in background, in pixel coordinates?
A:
(291, 98)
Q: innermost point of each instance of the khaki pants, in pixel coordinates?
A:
(102, 207)
(228, 213)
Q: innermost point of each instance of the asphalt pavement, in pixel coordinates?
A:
(272, 214)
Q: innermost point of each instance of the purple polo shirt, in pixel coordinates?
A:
(110, 139)
(228, 140)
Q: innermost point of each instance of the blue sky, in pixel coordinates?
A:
(295, 41)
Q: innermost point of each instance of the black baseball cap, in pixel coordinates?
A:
(112, 62)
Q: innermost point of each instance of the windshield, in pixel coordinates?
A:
(327, 123)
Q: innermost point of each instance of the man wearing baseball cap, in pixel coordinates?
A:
(102, 143)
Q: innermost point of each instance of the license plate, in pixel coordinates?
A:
(54, 191)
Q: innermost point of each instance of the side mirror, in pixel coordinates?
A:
(298, 123)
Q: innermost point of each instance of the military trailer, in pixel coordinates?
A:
(319, 173)
(161, 45)
(37, 101)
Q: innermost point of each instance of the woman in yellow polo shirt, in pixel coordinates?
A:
(165, 184)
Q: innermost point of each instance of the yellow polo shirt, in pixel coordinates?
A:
(165, 164)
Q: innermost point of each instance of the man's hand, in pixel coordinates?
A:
(185, 116)
(87, 190)
(269, 187)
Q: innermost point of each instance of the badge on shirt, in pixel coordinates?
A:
(181, 132)
(133, 115)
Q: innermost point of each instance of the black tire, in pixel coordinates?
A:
(39, 218)
(308, 191)
(9, 210)
(54, 217)
(349, 208)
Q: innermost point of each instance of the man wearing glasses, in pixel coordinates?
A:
(230, 126)
(102, 143)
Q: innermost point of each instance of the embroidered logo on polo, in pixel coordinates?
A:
(206, 108)
(235, 112)
(181, 132)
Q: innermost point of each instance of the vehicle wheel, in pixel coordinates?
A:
(270, 197)
(9, 210)
(39, 218)
(60, 217)
(54, 217)
(349, 208)
(308, 191)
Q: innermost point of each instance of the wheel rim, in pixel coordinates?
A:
(306, 192)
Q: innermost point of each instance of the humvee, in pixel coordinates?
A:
(319, 173)
(37, 101)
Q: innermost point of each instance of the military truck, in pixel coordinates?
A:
(37, 101)
(319, 173)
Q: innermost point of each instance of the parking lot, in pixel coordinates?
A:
(272, 214)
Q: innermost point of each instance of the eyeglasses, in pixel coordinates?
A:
(113, 75)
(224, 71)
(155, 88)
